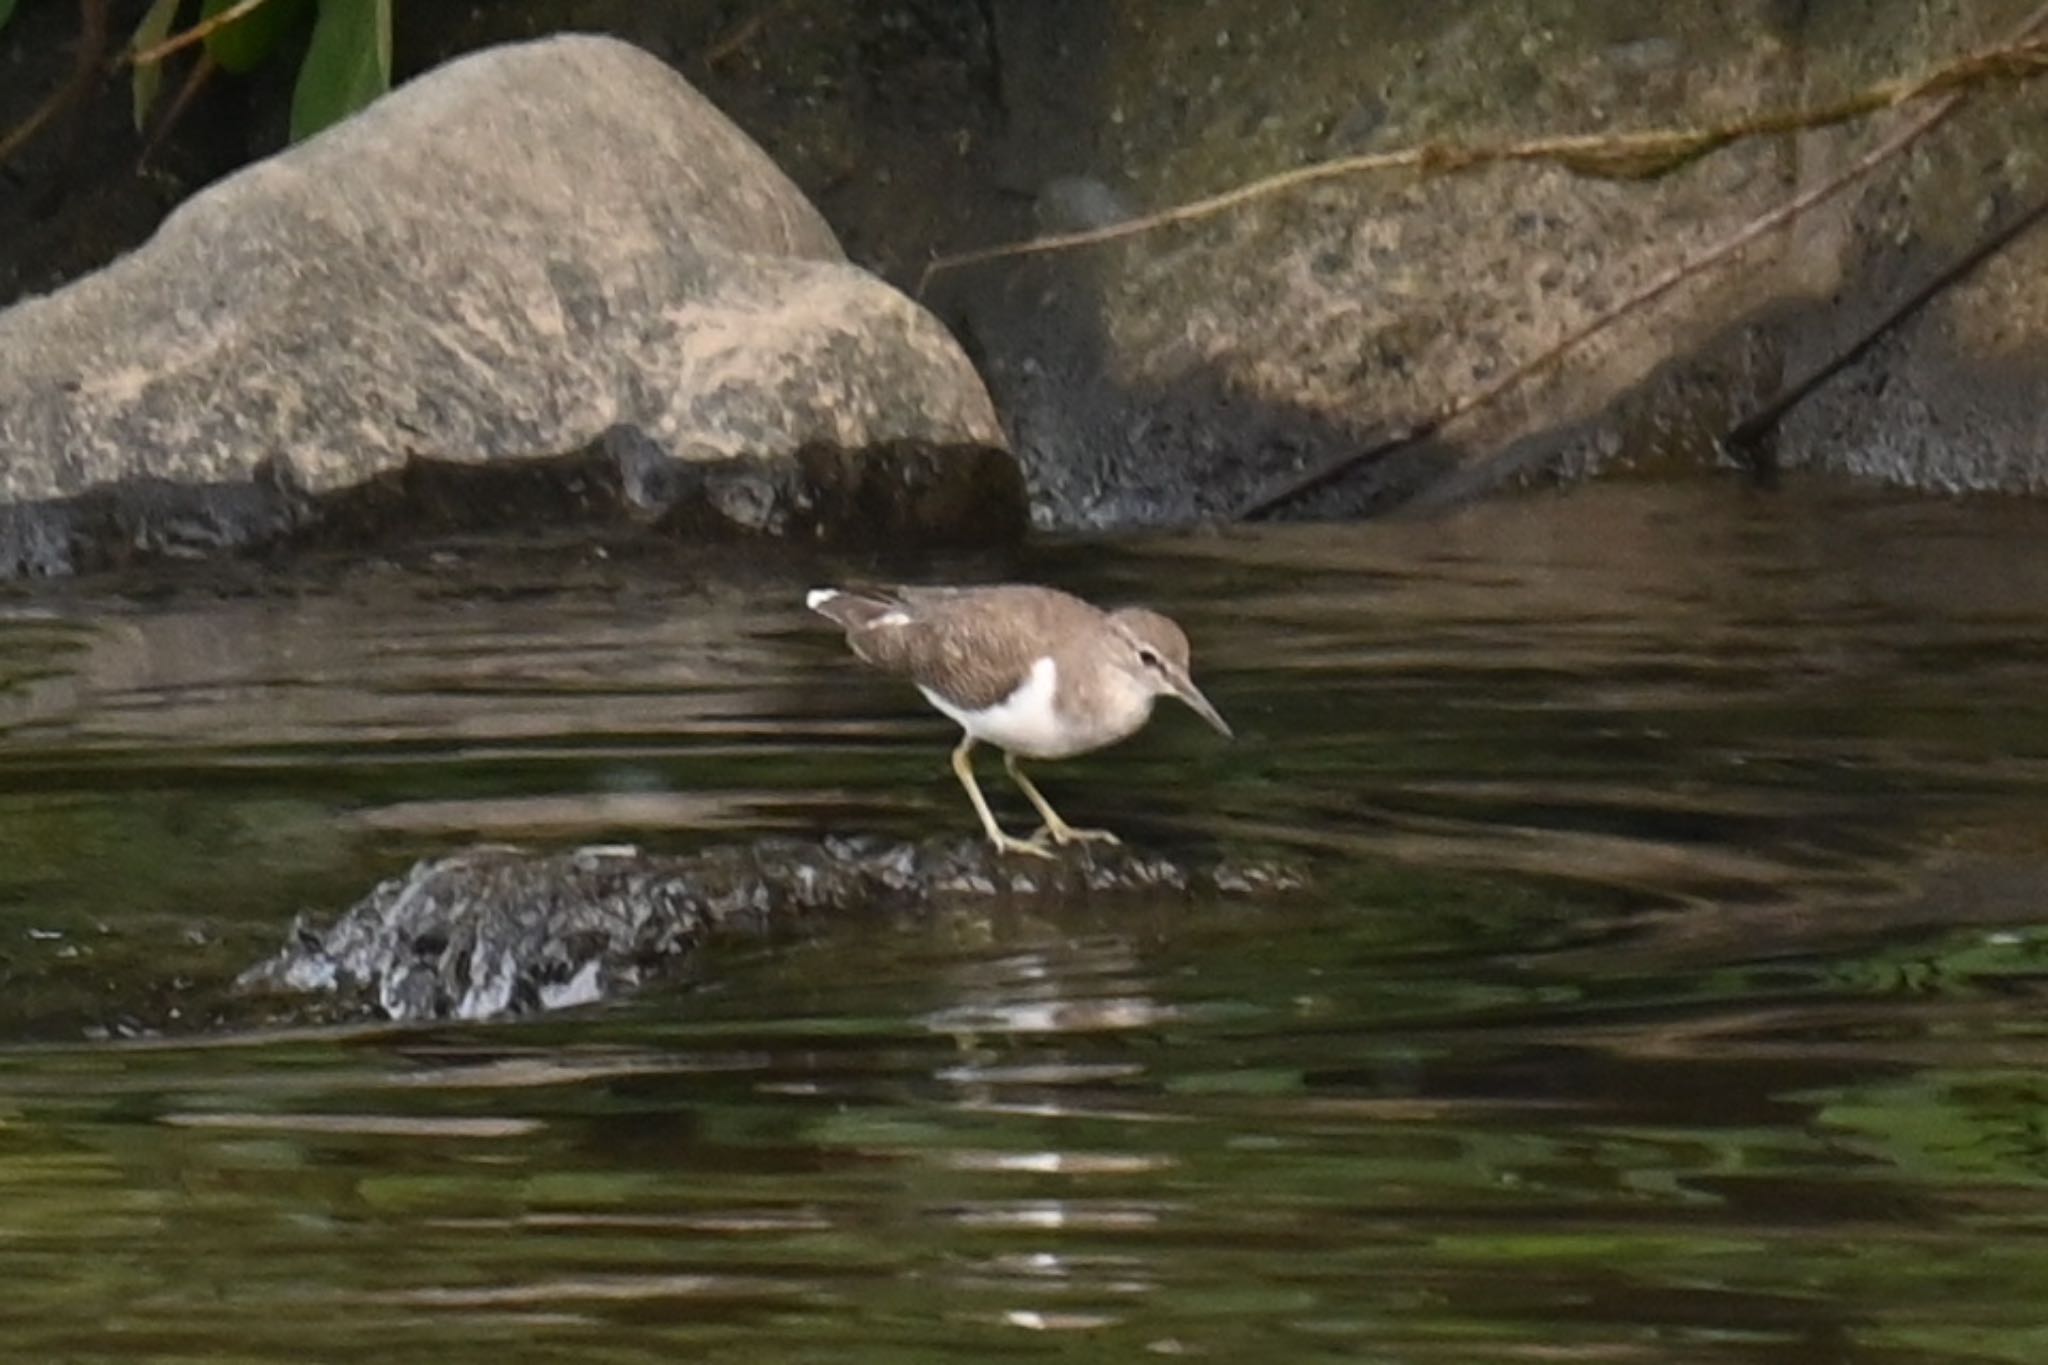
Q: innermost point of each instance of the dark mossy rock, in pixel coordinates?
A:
(494, 930)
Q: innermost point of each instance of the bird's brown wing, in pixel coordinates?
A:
(973, 647)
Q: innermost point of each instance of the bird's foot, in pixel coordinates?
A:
(1007, 843)
(1064, 834)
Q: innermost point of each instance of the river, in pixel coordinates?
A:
(1671, 989)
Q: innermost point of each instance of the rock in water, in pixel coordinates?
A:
(493, 931)
(503, 258)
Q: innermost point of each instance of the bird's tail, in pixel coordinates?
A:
(852, 608)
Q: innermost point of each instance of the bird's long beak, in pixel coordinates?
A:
(1185, 689)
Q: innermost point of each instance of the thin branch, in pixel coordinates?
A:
(1752, 428)
(195, 80)
(1638, 155)
(85, 72)
(743, 32)
(198, 33)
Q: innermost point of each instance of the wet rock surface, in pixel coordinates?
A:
(501, 260)
(494, 930)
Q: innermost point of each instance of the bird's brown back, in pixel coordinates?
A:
(972, 646)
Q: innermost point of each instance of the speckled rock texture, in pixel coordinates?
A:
(1180, 374)
(1186, 372)
(492, 931)
(1304, 327)
(1956, 399)
(503, 258)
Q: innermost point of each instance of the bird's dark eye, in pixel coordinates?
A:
(1149, 658)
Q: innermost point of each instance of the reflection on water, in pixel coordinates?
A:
(1673, 994)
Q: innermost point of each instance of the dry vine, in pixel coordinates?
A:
(1620, 156)
(85, 71)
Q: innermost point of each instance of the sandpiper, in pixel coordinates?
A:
(1034, 671)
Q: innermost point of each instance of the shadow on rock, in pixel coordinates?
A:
(892, 493)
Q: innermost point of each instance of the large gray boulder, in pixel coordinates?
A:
(507, 257)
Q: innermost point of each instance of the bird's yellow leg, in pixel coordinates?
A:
(963, 768)
(1060, 831)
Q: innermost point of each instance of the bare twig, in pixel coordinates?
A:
(1637, 155)
(1753, 427)
(85, 71)
(195, 81)
(743, 32)
(198, 33)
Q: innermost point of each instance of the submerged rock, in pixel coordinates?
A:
(503, 259)
(493, 930)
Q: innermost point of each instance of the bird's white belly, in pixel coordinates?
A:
(1024, 722)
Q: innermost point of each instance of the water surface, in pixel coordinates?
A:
(1672, 991)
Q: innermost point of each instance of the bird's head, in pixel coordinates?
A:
(1153, 650)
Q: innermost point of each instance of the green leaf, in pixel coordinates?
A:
(6, 12)
(347, 65)
(154, 28)
(244, 44)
